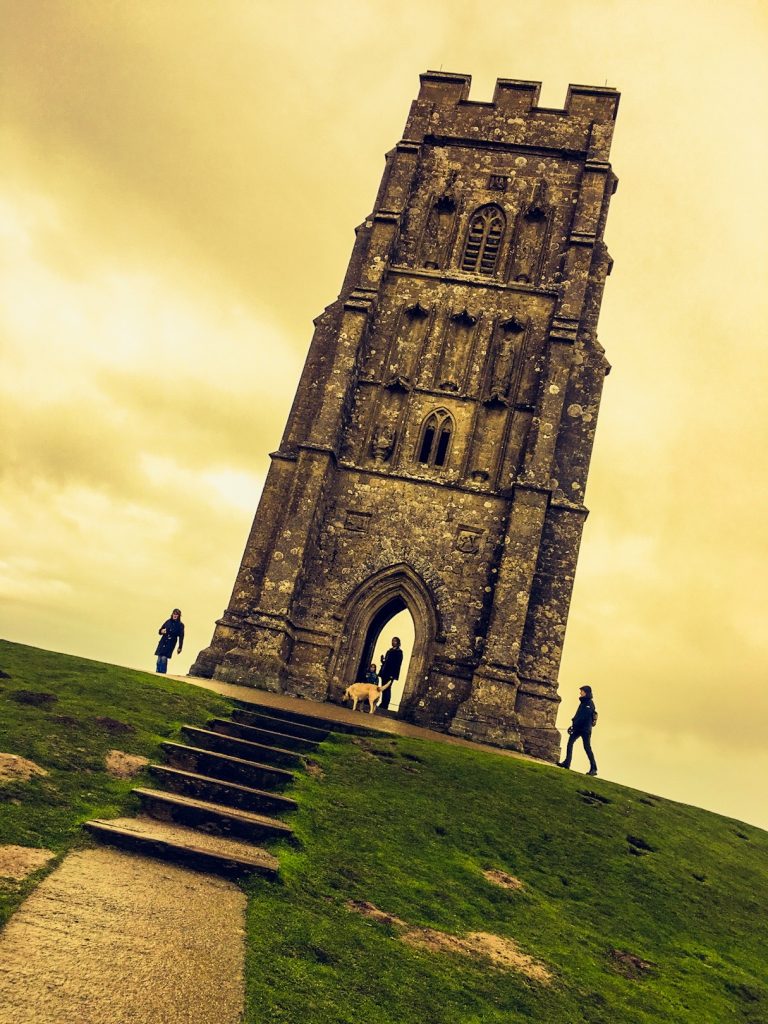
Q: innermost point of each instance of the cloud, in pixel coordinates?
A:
(135, 423)
(107, 362)
(177, 201)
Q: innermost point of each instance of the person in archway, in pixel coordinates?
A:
(391, 662)
(372, 676)
(170, 631)
(581, 728)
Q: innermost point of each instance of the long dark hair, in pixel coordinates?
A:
(587, 690)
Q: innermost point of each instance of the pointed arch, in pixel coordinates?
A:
(397, 586)
(435, 438)
(483, 242)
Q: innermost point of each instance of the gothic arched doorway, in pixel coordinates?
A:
(392, 620)
(368, 613)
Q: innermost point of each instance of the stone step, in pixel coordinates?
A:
(226, 767)
(262, 735)
(302, 718)
(213, 819)
(243, 749)
(263, 720)
(188, 846)
(231, 794)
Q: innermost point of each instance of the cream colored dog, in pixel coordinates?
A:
(365, 691)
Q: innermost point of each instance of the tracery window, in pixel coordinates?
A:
(436, 439)
(481, 250)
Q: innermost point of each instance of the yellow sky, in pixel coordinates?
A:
(179, 185)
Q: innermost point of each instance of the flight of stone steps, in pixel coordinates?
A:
(221, 792)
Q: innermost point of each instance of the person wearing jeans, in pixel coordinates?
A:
(581, 728)
(170, 631)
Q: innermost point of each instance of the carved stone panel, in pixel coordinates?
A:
(457, 348)
(488, 445)
(508, 343)
(438, 232)
(356, 521)
(531, 234)
(407, 346)
(382, 442)
(468, 540)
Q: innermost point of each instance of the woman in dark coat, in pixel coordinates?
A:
(170, 631)
(581, 728)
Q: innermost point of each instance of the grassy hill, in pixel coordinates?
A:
(638, 909)
(65, 714)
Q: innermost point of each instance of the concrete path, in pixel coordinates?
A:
(114, 938)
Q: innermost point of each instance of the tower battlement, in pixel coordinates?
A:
(512, 118)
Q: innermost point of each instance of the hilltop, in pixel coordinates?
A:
(599, 903)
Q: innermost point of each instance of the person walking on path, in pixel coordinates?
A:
(170, 631)
(390, 670)
(581, 728)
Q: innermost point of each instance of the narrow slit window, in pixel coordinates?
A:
(427, 444)
(442, 446)
(484, 237)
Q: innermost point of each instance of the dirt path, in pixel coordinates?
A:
(113, 938)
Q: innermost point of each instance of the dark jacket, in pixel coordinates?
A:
(390, 667)
(174, 630)
(582, 720)
(371, 676)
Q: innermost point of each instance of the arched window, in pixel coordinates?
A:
(481, 251)
(436, 439)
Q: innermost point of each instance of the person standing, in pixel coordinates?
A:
(581, 728)
(391, 663)
(170, 631)
(372, 676)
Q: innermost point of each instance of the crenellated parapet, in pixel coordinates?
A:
(443, 109)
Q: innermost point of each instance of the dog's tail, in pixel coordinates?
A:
(386, 686)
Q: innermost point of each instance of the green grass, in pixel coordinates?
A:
(409, 826)
(65, 737)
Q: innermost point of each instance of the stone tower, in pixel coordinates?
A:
(436, 454)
